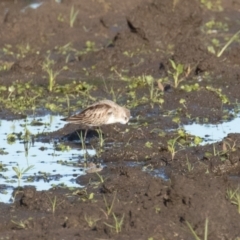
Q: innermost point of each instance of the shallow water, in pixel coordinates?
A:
(47, 168)
(51, 167)
(211, 133)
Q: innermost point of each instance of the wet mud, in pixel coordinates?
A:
(155, 182)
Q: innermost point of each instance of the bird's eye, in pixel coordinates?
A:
(126, 118)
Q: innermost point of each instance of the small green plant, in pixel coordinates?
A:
(21, 224)
(219, 93)
(114, 94)
(109, 208)
(233, 38)
(62, 147)
(212, 5)
(234, 197)
(53, 203)
(90, 47)
(148, 144)
(223, 154)
(197, 140)
(68, 103)
(157, 209)
(101, 139)
(101, 179)
(84, 195)
(154, 92)
(183, 102)
(73, 16)
(177, 71)
(83, 143)
(196, 237)
(189, 165)
(190, 87)
(20, 171)
(91, 221)
(172, 146)
(227, 147)
(11, 138)
(47, 66)
(118, 222)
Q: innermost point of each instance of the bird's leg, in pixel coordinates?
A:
(82, 140)
(85, 135)
(100, 136)
(84, 145)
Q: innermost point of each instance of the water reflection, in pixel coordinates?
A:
(18, 150)
(212, 133)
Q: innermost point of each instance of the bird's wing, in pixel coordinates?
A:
(93, 115)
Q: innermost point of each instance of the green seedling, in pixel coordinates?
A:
(65, 49)
(101, 139)
(219, 153)
(7, 49)
(101, 179)
(21, 96)
(154, 92)
(176, 120)
(21, 224)
(84, 194)
(48, 68)
(82, 140)
(189, 165)
(109, 208)
(196, 237)
(62, 147)
(73, 16)
(212, 5)
(227, 147)
(5, 66)
(148, 144)
(60, 17)
(90, 47)
(11, 90)
(190, 88)
(11, 138)
(157, 209)
(91, 221)
(53, 203)
(2, 152)
(117, 223)
(23, 50)
(27, 139)
(177, 71)
(197, 140)
(233, 38)
(183, 102)
(128, 54)
(114, 94)
(213, 25)
(234, 197)
(68, 103)
(172, 144)
(219, 93)
(20, 171)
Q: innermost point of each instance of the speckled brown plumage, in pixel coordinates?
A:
(101, 113)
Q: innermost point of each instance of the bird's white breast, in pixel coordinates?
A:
(112, 119)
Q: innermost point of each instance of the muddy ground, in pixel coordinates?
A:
(112, 45)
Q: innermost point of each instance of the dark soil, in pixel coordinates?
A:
(149, 33)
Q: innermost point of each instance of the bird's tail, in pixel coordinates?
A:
(72, 119)
(64, 119)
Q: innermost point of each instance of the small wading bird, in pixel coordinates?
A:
(101, 113)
